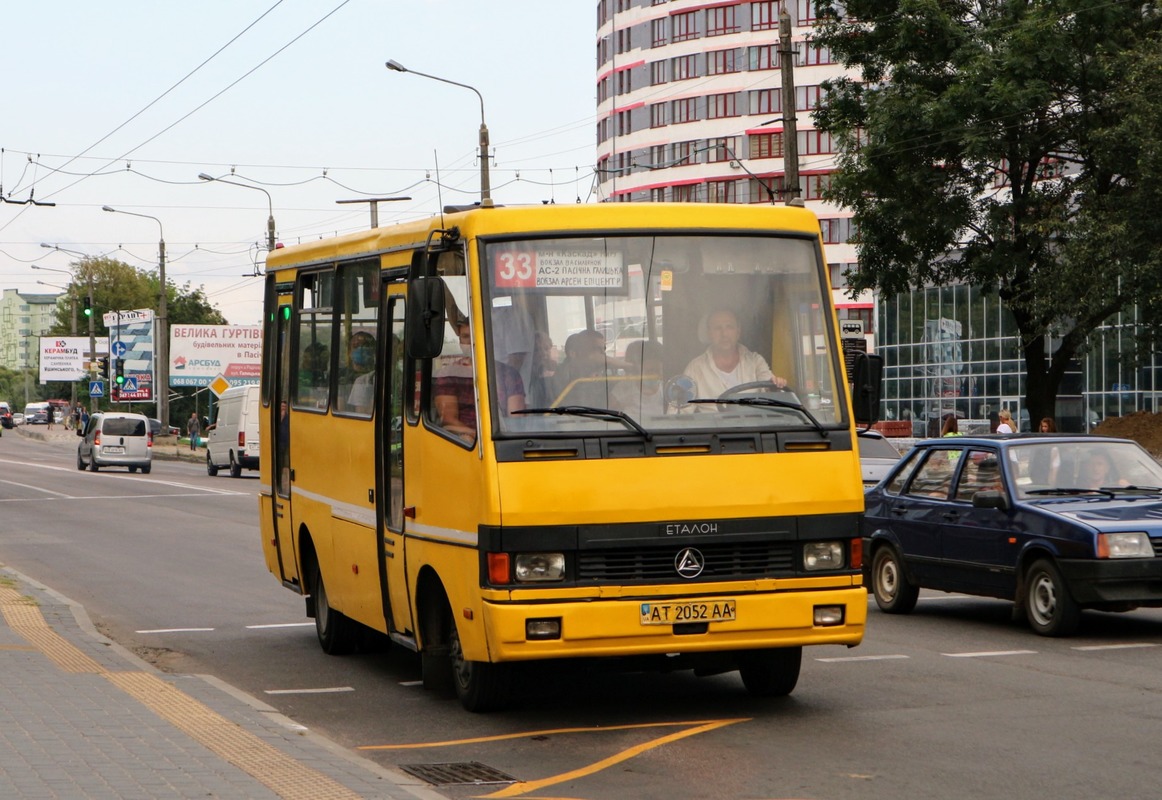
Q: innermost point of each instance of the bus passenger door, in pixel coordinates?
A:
(280, 430)
(390, 457)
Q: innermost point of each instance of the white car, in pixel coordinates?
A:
(17, 418)
(877, 456)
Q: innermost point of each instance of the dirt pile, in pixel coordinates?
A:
(1143, 427)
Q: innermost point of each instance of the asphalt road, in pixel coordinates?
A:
(953, 701)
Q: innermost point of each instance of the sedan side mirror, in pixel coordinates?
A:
(991, 498)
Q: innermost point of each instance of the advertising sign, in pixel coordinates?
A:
(131, 333)
(200, 353)
(66, 358)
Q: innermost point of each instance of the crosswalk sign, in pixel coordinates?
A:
(96, 388)
(130, 384)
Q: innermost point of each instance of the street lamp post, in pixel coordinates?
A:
(270, 205)
(485, 184)
(92, 331)
(162, 321)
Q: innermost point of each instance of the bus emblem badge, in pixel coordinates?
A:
(689, 563)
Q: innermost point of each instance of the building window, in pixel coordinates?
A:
(838, 281)
(658, 156)
(719, 106)
(624, 40)
(724, 148)
(685, 26)
(764, 16)
(721, 191)
(815, 142)
(603, 90)
(625, 81)
(806, 11)
(657, 115)
(684, 68)
(764, 57)
(766, 101)
(722, 20)
(767, 190)
(624, 123)
(658, 33)
(685, 110)
(682, 154)
(657, 73)
(837, 231)
(658, 195)
(603, 50)
(721, 62)
(816, 185)
(685, 194)
(766, 145)
(816, 55)
(807, 98)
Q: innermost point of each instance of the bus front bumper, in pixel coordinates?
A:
(615, 627)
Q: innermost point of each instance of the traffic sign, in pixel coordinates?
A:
(130, 384)
(120, 349)
(96, 388)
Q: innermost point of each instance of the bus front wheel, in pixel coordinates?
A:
(337, 634)
(770, 673)
(481, 686)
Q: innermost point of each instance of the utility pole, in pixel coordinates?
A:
(790, 132)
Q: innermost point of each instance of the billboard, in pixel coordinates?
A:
(66, 358)
(198, 354)
(131, 340)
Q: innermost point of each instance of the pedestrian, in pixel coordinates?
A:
(194, 428)
(1006, 421)
(84, 419)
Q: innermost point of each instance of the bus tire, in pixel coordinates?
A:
(770, 673)
(337, 634)
(481, 686)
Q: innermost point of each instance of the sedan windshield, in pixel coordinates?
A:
(1077, 467)
(672, 332)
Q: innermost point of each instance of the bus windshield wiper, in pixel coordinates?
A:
(607, 414)
(768, 402)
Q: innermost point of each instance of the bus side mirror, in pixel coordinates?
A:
(867, 384)
(424, 331)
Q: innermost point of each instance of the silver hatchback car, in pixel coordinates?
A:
(115, 439)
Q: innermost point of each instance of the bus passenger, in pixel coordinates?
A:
(361, 353)
(580, 379)
(640, 393)
(727, 362)
(454, 391)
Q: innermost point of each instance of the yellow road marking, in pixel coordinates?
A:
(551, 732)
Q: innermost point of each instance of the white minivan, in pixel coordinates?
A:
(232, 439)
(114, 439)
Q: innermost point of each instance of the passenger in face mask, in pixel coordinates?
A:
(454, 391)
(361, 354)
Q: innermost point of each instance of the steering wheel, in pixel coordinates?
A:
(764, 386)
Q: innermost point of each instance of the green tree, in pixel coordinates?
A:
(1005, 144)
(118, 286)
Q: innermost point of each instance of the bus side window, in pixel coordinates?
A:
(453, 395)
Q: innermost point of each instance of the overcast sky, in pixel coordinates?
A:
(100, 104)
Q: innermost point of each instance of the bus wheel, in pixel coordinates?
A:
(337, 634)
(770, 673)
(479, 685)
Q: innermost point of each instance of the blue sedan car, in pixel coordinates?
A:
(1055, 523)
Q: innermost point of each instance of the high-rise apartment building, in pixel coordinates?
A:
(690, 110)
(24, 318)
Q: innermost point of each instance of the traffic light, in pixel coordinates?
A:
(119, 366)
(115, 393)
(88, 307)
(103, 367)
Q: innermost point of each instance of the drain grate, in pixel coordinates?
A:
(463, 772)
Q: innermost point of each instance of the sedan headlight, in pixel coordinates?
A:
(536, 567)
(1124, 545)
(822, 555)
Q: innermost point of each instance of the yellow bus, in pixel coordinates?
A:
(516, 434)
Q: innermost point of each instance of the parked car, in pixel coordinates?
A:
(1056, 524)
(115, 439)
(877, 456)
(17, 418)
(155, 428)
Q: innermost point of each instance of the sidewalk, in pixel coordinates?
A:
(164, 447)
(81, 717)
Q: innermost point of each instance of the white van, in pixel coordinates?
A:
(232, 439)
(115, 439)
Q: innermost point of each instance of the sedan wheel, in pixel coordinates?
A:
(895, 594)
(1051, 610)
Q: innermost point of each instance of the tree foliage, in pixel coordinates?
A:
(1010, 144)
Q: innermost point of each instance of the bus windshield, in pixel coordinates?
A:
(672, 333)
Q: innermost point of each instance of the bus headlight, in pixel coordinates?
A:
(822, 555)
(539, 567)
(1124, 545)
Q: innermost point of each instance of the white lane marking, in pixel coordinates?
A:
(283, 625)
(411, 683)
(1130, 646)
(177, 630)
(331, 690)
(37, 488)
(990, 653)
(103, 497)
(840, 659)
